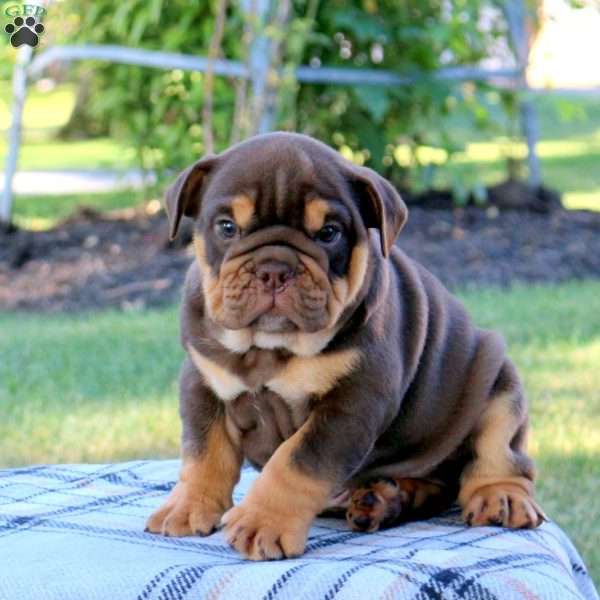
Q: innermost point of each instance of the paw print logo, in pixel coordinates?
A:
(24, 31)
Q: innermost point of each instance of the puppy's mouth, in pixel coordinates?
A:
(274, 315)
(274, 322)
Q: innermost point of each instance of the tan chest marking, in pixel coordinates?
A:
(300, 378)
(303, 377)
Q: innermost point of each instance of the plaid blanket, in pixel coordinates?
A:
(77, 532)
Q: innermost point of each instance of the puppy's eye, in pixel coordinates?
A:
(329, 234)
(226, 228)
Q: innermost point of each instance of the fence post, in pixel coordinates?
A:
(516, 17)
(279, 21)
(19, 91)
(529, 126)
(265, 56)
(258, 63)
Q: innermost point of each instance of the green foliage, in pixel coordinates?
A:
(159, 112)
(156, 111)
(409, 37)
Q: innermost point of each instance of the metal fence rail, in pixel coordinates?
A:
(231, 68)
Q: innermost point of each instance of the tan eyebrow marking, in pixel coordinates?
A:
(242, 207)
(315, 213)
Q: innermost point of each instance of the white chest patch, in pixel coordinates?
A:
(299, 343)
(301, 377)
(223, 383)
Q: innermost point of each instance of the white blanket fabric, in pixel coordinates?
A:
(77, 532)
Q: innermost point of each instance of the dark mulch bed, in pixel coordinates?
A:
(93, 261)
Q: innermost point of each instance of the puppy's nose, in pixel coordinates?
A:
(274, 274)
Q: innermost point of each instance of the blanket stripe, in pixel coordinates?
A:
(77, 531)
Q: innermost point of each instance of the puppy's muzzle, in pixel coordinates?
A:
(275, 279)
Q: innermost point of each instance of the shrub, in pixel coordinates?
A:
(160, 111)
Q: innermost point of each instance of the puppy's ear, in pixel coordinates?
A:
(184, 194)
(380, 205)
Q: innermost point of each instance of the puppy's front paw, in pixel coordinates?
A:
(260, 533)
(503, 504)
(186, 512)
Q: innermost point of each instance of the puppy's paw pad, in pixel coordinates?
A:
(508, 506)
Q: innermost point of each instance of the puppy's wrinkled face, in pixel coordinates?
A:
(276, 244)
(281, 235)
(272, 276)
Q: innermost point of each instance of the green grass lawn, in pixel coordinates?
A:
(45, 113)
(43, 212)
(569, 150)
(75, 388)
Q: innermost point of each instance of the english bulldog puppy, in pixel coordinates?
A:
(339, 367)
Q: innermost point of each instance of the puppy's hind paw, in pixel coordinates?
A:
(503, 505)
(376, 504)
